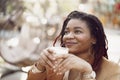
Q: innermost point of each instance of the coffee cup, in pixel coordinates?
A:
(59, 50)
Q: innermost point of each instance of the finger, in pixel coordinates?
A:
(59, 62)
(67, 63)
(46, 59)
(50, 54)
(62, 61)
(63, 69)
(50, 50)
(61, 56)
(64, 64)
(42, 61)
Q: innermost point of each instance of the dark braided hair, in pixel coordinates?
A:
(96, 28)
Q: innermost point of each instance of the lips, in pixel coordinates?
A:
(70, 43)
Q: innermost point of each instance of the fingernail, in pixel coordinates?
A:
(53, 58)
(59, 73)
(56, 62)
(54, 70)
(59, 69)
(53, 67)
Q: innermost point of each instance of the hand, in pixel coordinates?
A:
(46, 59)
(70, 61)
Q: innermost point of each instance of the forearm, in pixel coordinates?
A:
(36, 74)
(88, 73)
(89, 76)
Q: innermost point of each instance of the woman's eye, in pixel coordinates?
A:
(77, 32)
(66, 32)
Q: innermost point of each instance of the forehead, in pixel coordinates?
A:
(77, 23)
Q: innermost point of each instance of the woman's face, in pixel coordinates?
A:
(77, 37)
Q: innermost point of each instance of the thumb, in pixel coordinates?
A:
(61, 56)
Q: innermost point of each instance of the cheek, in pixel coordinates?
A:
(84, 41)
(83, 38)
(64, 39)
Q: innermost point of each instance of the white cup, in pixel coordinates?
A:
(59, 50)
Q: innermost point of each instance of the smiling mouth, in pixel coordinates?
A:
(70, 43)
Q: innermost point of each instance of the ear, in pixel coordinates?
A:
(93, 40)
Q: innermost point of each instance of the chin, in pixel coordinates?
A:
(72, 50)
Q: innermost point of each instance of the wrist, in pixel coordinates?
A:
(87, 68)
(88, 73)
(89, 76)
(40, 67)
(37, 68)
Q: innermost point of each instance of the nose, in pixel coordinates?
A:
(69, 35)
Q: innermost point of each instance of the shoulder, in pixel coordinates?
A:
(110, 68)
(110, 65)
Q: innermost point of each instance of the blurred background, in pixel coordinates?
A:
(28, 26)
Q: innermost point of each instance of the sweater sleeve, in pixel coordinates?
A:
(114, 77)
(36, 76)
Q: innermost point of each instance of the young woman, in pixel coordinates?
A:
(87, 59)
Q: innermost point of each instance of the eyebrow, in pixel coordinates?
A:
(77, 28)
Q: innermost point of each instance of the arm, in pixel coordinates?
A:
(36, 74)
(42, 67)
(38, 71)
(75, 63)
(114, 77)
(89, 76)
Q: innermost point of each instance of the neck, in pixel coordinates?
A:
(87, 56)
